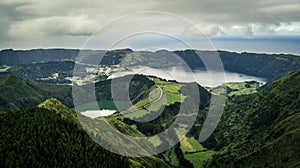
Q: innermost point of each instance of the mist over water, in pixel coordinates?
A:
(203, 78)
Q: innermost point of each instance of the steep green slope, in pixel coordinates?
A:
(263, 65)
(50, 135)
(17, 93)
(262, 129)
(42, 137)
(178, 155)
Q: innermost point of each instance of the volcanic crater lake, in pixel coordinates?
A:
(203, 78)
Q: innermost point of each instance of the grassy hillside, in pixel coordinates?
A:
(261, 129)
(238, 88)
(164, 93)
(185, 153)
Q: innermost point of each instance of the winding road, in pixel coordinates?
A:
(143, 107)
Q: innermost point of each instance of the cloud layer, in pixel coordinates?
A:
(52, 26)
(32, 20)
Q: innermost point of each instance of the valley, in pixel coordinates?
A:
(150, 84)
(55, 66)
(41, 121)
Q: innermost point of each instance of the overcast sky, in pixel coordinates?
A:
(238, 25)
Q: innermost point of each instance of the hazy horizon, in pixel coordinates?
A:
(221, 47)
(271, 26)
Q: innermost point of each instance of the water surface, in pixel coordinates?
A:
(204, 78)
(98, 113)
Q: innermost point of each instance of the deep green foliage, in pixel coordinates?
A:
(261, 129)
(50, 135)
(182, 161)
(139, 87)
(17, 93)
(40, 137)
(269, 66)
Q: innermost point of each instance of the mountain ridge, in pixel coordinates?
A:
(44, 136)
(268, 66)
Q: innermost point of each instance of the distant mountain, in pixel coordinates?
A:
(18, 57)
(269, 66)
(53, 72)
(49, 135)
(262, 129)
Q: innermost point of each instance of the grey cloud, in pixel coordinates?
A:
(43, 27)
(201, 30)
(217, 11)
(8, 16)
(22, 18)
(239, 10)
(249, 33)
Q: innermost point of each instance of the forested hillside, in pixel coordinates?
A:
(17, 93)
(259, 129)
(262, 129)
(50, 135)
